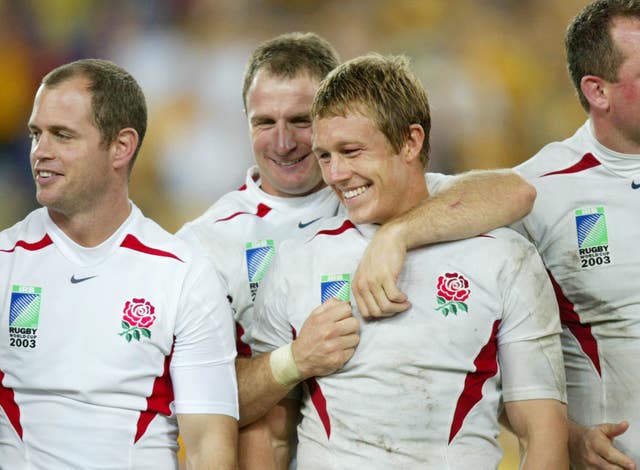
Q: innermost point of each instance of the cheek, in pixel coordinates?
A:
(260, 143)
(303, 137)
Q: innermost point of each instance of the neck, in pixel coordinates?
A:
(614, 138)
(92, 227)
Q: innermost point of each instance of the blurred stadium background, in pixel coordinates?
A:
(494, 70)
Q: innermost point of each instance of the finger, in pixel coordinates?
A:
(612, 430)
(349, 341)
(335, 309)
(348, 326)
(392, 292)
(616, 458)
(366, 304)
(385, 307)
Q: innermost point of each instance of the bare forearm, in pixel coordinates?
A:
(544, 449)
(542, 430)
(474, 203)
(211, 441)
(258, 391)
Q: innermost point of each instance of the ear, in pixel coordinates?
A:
(413, 145)
(123, 147)
(595, 90)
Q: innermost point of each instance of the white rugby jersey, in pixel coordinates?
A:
(583, 226)
(101, 347)
(424, 387)
(240, 233)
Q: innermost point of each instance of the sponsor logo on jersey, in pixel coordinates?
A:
(635, 185)
(259, 256)
(24, 315)
(453, 290)
(77, 280)
(306, 224)
(137, 317)
(337, 286)
(593, 239)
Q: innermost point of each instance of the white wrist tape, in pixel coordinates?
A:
(283, 367)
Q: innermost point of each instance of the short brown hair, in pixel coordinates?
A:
(289, 55)
(117, 101)
(382, 86)
(589, 47)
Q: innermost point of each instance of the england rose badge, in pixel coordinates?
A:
(453, 290)
(138, 316)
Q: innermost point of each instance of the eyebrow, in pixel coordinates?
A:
(295, 117)
(53, 129)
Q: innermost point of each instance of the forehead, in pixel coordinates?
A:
(625, 32)
(268, 90)
(63, 104)
(337, 130)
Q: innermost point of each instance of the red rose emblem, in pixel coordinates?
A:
(138, 316)
(453, 286)
(139, 312)
(453, 290)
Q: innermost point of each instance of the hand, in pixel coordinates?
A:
(327, 339)
(374, 284)
(592, 448)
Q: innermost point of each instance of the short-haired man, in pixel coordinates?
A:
(583, 225)
(284, 197)
(114, 332)
(425, 387)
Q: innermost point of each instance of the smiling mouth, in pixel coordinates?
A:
(350, 194)
(289, 163)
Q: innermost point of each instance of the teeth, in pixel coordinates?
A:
(45, 174)
(354, 192)
(289, 163)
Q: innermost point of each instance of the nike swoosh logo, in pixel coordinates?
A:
(76, 280)
(302, 225)
(634, 185)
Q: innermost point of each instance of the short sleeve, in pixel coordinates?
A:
(203, 362)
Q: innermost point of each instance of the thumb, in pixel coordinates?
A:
(612, 430)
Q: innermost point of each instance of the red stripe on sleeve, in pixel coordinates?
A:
(159, 400)
(486, 365)
(587, 161)
(10, 407)
(581, 331)
(133, 243)
(46, 241)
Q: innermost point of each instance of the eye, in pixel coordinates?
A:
(350, 151)
(62, 135)
(262, 123)
(323, 156)
(302, 122)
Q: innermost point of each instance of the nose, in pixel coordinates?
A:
(338, 170)
(40, 148)
(285, 141)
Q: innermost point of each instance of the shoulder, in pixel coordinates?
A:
(500, 246)
(562, 157)
(147, 237)
(29, 231)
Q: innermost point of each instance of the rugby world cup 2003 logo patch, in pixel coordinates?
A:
(337, 286)
(259, 255)
(24, 315)
(593, 239)
(453, 291)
